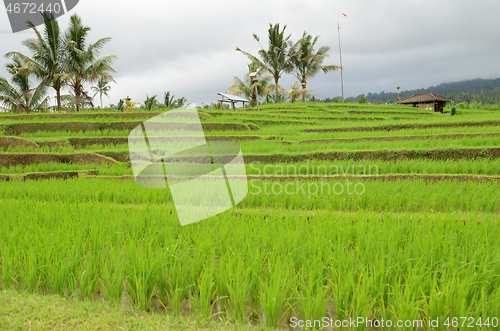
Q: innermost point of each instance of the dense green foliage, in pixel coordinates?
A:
(60, 60)
(486, 91)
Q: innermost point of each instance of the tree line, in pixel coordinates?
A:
(152, 103)
(281, 56)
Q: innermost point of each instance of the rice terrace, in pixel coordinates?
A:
(358, 215)
(416, 236)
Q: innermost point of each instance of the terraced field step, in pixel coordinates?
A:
(15, 142)
(13, 159)
(296, 117)
(407, 126)
(397, 138)
(445, 154)
(394, 177)
(283, 115)
(47, 175)
(394, 112)
(88, 116)
(19, 128)
(84, 142)
(390, 178)
(384, 155)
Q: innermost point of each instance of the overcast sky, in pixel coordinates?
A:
(188, 47)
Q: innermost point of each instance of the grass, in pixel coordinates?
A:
(286, 132)
(339, 194)
(257, 147)
(360, 257)
(481, 167)
(118, 169)
(275, 147)
(52, 312)
(478, 167)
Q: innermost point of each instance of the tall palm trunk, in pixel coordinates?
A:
(276, 97)
(304, 85)
(254, 95)
(58, 98)
(77, 96)
(77, 91)
(77, 102)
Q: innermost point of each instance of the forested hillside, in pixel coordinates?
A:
(486, 91)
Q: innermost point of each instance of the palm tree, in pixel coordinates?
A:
(20, 96)
(308, 63)
(121, 105)
(180, 102)
(150, 103)
(48, 62)
(102, 88)
(129, 105)
(246, 87)
(277, 58)
(69, 101)
(82, 63)
(296, 91)
(168, 100)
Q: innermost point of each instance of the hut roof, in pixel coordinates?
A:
(231, 97)
(425, 97)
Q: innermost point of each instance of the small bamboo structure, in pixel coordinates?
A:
(232, 99)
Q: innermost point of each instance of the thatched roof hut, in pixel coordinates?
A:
(427, 101)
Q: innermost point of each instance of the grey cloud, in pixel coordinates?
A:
(188, 47)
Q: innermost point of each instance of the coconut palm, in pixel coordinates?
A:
(277, 58)
(150, 102)
(83, 66)
(168, 100)
(69, 101)
(296, 91)
(48, 61)
(129, 105)
(246, 87)
(20, 96)
(121, 105)
(180, 102)
(308, 63)
(102, 88)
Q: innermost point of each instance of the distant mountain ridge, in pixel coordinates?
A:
(476, 90)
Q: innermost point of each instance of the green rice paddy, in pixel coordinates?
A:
(378, 236)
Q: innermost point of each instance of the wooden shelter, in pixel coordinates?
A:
(427, 101)
(231, 99)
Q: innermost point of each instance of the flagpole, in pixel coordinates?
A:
(340, 52)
